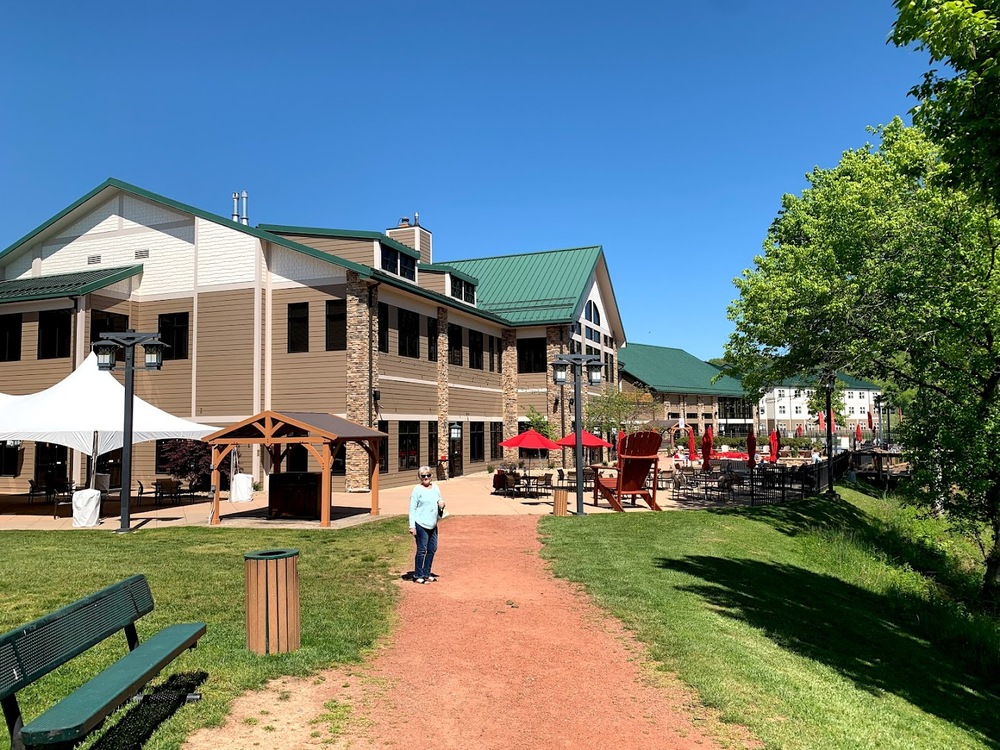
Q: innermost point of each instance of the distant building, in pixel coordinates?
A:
(786, 407)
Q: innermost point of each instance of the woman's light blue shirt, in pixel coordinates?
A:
(424, 506)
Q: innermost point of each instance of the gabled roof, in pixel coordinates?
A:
(533, 288)
(64, 284)
(348, 234)
(669, 370)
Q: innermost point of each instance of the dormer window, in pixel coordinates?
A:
(408, 267)
(463, 290)
(390, 260)
(398, 263)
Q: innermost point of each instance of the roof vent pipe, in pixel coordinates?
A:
(245, 218)
(236, 206)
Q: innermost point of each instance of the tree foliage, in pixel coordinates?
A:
(616, 410)
(190, 460)
(881, 268)
(539, 423)
(960, 108)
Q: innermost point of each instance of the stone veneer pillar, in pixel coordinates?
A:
(362, 352)
(442, 385)
(508, 386)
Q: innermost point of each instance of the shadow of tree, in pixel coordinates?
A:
(849, 629)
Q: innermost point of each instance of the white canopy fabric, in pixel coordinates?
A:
(86, 401)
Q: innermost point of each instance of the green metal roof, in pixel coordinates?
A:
(63, 285)
(849, 381)
(669, 370)
(348, 234)
(533, 288)
(448, 268)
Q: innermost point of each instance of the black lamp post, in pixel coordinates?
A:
(107, 354)
(560, 367)
(879, 399)
(829, 380)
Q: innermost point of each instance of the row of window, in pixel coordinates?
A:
(783, 410)
(55, 329)
(849, 395)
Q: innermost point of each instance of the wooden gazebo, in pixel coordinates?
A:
(321, 434)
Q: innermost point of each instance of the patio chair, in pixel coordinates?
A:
(637, 452)
(33, 490)
(511, 482)
(545, 486)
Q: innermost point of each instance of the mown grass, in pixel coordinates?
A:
(819, 624)
(346, 602)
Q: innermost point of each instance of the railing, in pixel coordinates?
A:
(778, 483)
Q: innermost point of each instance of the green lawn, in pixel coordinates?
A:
(197, 574)
(819, 625)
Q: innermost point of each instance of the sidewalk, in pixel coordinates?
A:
(470, 495)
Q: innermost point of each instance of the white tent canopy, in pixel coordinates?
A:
(86, 401)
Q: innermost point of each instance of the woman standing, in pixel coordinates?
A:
(426, 505)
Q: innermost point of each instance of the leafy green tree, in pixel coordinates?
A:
(882, 269)
(816, 402)
(539, 423)
(615, 410)
(959, 108)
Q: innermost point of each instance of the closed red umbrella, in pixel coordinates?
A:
(833, 422)
(798, 431)
(692, 450)
(822, 421)
(706, 450)
(587, 440)
(751, 449)
(857, 432)
(773, 442)
(871, 420)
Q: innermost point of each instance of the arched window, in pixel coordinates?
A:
(592, 313)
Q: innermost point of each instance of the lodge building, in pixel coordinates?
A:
(447, 358)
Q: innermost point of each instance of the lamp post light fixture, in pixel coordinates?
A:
(561, 365)
(106, 350)
(879, 400)
(828, 381)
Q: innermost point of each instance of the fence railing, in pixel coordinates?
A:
(778, 483)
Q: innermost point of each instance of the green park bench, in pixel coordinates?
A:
(31, 651)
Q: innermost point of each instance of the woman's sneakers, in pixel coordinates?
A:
(432, 577)
(420, 580)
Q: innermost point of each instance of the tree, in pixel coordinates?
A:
(816, 402)
(961, 111)
(539, 422)
(882, 269)
(615, 410)
(190, 460)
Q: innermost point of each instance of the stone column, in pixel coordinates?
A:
(362, 352)
(508, 384)
(444, 408)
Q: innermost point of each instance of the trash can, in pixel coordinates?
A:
(559, 501)
(272, 606)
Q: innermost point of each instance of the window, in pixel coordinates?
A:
(496, 437)
(850, 410)
(477, 434)
(475, 350)
(609, 367)
(106, 322)
(454, 344)
(850, 395)
(531, 355)
(432, 442)
(781, 410)
(409, 333)
(298, 327)
(781, 394)
(408, 267)
(336, 325)
(409, 445)
(862, 410)
(10, 338)
(339, 468)
(493, 353)
(432, 339)
(54, 327)
(390, 260)
(463, 290)
(297, 458)
(383, 327)
(173, 331)
(8, 459)
(592, 314)
(798, 410)
(383, 447)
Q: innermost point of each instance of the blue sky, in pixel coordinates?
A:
(664, 131)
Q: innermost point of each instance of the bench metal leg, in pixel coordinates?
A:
(12, 714)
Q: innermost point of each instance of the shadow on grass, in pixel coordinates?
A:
(850, 630)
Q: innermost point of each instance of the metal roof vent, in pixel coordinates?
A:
(93, 260)
(142, 254)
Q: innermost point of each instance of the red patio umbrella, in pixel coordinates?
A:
(706, 450)
(798, 431)
(871, 420)
(751, 449)
(857, 432)
(530, 440)
(774, 444)
(587, 440)
(692, 450)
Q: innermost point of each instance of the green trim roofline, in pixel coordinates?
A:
(445, 268)
(57, 286)
(350, 234)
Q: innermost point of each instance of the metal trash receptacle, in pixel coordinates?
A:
(272, 600)
(559, 501)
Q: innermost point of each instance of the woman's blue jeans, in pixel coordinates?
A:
(427, 544)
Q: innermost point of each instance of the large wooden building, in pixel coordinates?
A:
(447, 358)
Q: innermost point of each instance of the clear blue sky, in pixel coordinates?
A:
(664, 131)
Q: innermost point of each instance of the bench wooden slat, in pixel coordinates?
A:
(76, 715)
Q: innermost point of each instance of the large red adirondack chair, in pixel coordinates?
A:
(637, 452)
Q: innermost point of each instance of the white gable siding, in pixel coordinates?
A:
(102, 219)
(225, 256)
(19, 267)
(139, 213)
(289, 265)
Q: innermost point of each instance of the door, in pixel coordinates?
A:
(455, 449)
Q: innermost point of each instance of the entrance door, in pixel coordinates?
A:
(455, 449)
(51, 465)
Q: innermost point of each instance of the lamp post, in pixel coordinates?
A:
(107, 353)
(829, 380)
(879, 398)
(560, 367)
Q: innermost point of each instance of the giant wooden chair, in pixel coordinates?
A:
(637, 453)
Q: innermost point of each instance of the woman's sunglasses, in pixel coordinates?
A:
(425, 476)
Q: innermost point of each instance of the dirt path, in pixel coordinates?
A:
(497, 654)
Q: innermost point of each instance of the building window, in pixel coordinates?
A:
(390, 260)
(850, 410)
(496, 437)
(477, 446)
(409, 333)
(298, 327)
(10, 338)
(798, 410)
(454, 344)
(173, 329)
(475, 350)
(531, 355)
(383, 327)
(54, 329)
(463, 290)
(107, 322)
(850, 395)
(336, 325)
(340, 461)
(781, 394)
(781, 410)
(8, 459)
(383, 448)
(408, 267)
(297, 459)
(592, 314)
(432, 442)
(493, 353)
(609, 367)
(862, 410)
(432, 339)
(409, 445)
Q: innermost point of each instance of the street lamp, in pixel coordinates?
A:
(879, 400)
(829, 379)
(107, 353)
(560, 370)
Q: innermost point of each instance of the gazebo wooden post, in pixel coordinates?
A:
(216, 481)
(373, 481)
(326, 466)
